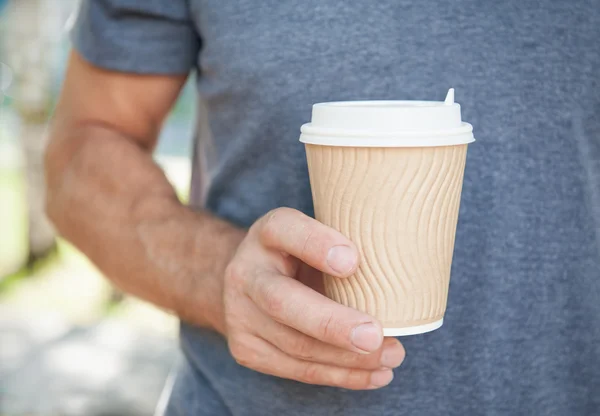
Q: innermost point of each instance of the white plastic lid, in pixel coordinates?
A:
(387, 124)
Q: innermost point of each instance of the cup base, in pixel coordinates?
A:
(412, 330)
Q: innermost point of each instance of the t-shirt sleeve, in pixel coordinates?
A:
(139, 36)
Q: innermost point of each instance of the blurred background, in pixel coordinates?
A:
(70, 344)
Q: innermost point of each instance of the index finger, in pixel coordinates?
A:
(291, 303)
(305, 238)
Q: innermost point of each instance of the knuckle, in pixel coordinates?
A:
(271, 223)
(286, 265)
(234, 274)
(356, 379)
(273, 301)
(241, 352)
(274, 304)
(343, 379)
(310, 373)
(301, 347)
(312, 239)
(327, 326)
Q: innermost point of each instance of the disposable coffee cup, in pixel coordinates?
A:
(388, 175)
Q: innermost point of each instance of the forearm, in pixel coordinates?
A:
(108, 197)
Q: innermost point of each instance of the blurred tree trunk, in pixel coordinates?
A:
(33, 32)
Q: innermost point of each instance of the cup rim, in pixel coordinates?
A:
(311, 134)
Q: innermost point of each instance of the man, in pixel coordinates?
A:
(522, 331)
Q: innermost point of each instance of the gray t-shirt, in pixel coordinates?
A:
(522, 329)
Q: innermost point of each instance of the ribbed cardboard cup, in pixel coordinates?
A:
(388, 175)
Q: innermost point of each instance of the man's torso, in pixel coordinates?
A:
(522, 330)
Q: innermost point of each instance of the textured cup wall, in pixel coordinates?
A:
(400, 206)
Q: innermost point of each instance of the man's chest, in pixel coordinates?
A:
(337, 44)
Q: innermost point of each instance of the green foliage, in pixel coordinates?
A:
(13, 221)
(28, 270)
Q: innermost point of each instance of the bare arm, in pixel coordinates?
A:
(108, 197)
(259, 288)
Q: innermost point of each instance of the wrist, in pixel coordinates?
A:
(214, 245)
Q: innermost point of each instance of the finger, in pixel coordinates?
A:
(266, 358)
(291, 303)
(301, 346)
(305, 238)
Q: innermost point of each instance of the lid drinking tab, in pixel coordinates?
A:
(449, 97)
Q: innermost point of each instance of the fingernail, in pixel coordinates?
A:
(341, 259)
(381, 378)
(367, 337)
(392, 355)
